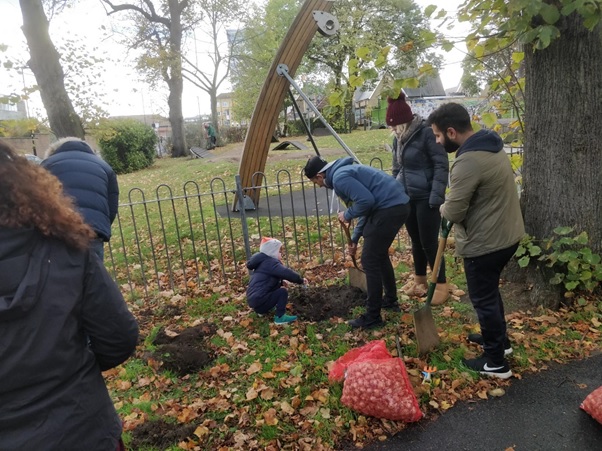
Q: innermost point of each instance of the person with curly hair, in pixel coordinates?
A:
(62, 317)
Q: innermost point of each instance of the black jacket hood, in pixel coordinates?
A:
(483, 140)
(21, 276)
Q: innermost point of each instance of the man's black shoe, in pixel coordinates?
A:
(483, 366)
(392, 307)
(366, 323)
(478, 339)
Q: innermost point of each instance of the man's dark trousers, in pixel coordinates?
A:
(483, 279)
(379, 232)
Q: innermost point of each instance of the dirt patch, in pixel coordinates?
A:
(322, 303)
(160, 434)
(184, 352)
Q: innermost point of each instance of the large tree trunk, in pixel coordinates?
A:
(46, 66)
(176, 83)
(562, 170)
(213, 101)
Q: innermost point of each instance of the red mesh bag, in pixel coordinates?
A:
(373, 350)
(593, 404)
(381, 389)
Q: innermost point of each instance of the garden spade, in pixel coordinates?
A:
(357, 277)
(427, 337)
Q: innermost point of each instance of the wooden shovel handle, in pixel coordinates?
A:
(349, 242)
(445, 229)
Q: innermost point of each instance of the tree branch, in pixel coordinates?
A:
(151, 17)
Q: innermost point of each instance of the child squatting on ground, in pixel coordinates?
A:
(265, 290)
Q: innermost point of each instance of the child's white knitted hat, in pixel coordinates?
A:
(270, 246)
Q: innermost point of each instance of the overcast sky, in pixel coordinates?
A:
(123, 90)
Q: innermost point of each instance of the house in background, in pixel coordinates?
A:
(371, 107)
(11, 111)
(224, 110)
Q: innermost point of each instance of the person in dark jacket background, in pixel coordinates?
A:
(90, 181)
(380, 205)
(422, 167)
(62, 318)
(265, 290)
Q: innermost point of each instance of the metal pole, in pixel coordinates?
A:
(282, 70)
(243, 216)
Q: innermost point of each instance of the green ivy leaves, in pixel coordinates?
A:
(573, 262)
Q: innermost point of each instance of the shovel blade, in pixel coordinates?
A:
(427, 337)
(357, 279)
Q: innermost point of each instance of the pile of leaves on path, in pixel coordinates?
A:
(262, 386)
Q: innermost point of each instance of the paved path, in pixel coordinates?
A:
(538, 413)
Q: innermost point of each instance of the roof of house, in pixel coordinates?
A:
(430, 86)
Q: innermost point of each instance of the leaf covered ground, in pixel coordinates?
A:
(211, 374)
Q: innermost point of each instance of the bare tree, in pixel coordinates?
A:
(166, 32)
(46, 66)
(217, 13)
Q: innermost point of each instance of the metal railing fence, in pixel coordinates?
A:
(176, 242)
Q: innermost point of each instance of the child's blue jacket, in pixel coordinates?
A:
(267, 277)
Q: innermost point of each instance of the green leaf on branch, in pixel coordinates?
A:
(570, 286)
(518, 57)
(546, 34)
(428, 37)
(442, 14)
(363, 53)
(429, 10)
(563, 230)
(411, 83)
(447, 46)
(356, 81)
(549, 13)
(489, 119)
(568, 9)
(523, 262)
(369, 74)
(336, 99)
(426, 69)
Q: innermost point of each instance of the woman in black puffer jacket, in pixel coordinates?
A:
(63, 319)
(422, 166)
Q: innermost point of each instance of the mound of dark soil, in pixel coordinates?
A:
(185, 352)
(322, 303)
(160, 434)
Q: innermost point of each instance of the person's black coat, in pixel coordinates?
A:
(89, 180)
(62, 321)
(422, 166)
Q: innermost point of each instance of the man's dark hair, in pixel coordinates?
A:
(451, 115)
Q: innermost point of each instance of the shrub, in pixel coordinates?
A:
(569, 256)
(127, 145)
(195, 134)
(231, 135)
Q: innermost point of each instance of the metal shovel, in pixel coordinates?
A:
(427, 337)
(357, 277)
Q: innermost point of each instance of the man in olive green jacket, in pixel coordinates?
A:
(483, 204)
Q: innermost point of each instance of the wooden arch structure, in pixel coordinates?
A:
(265, 115)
